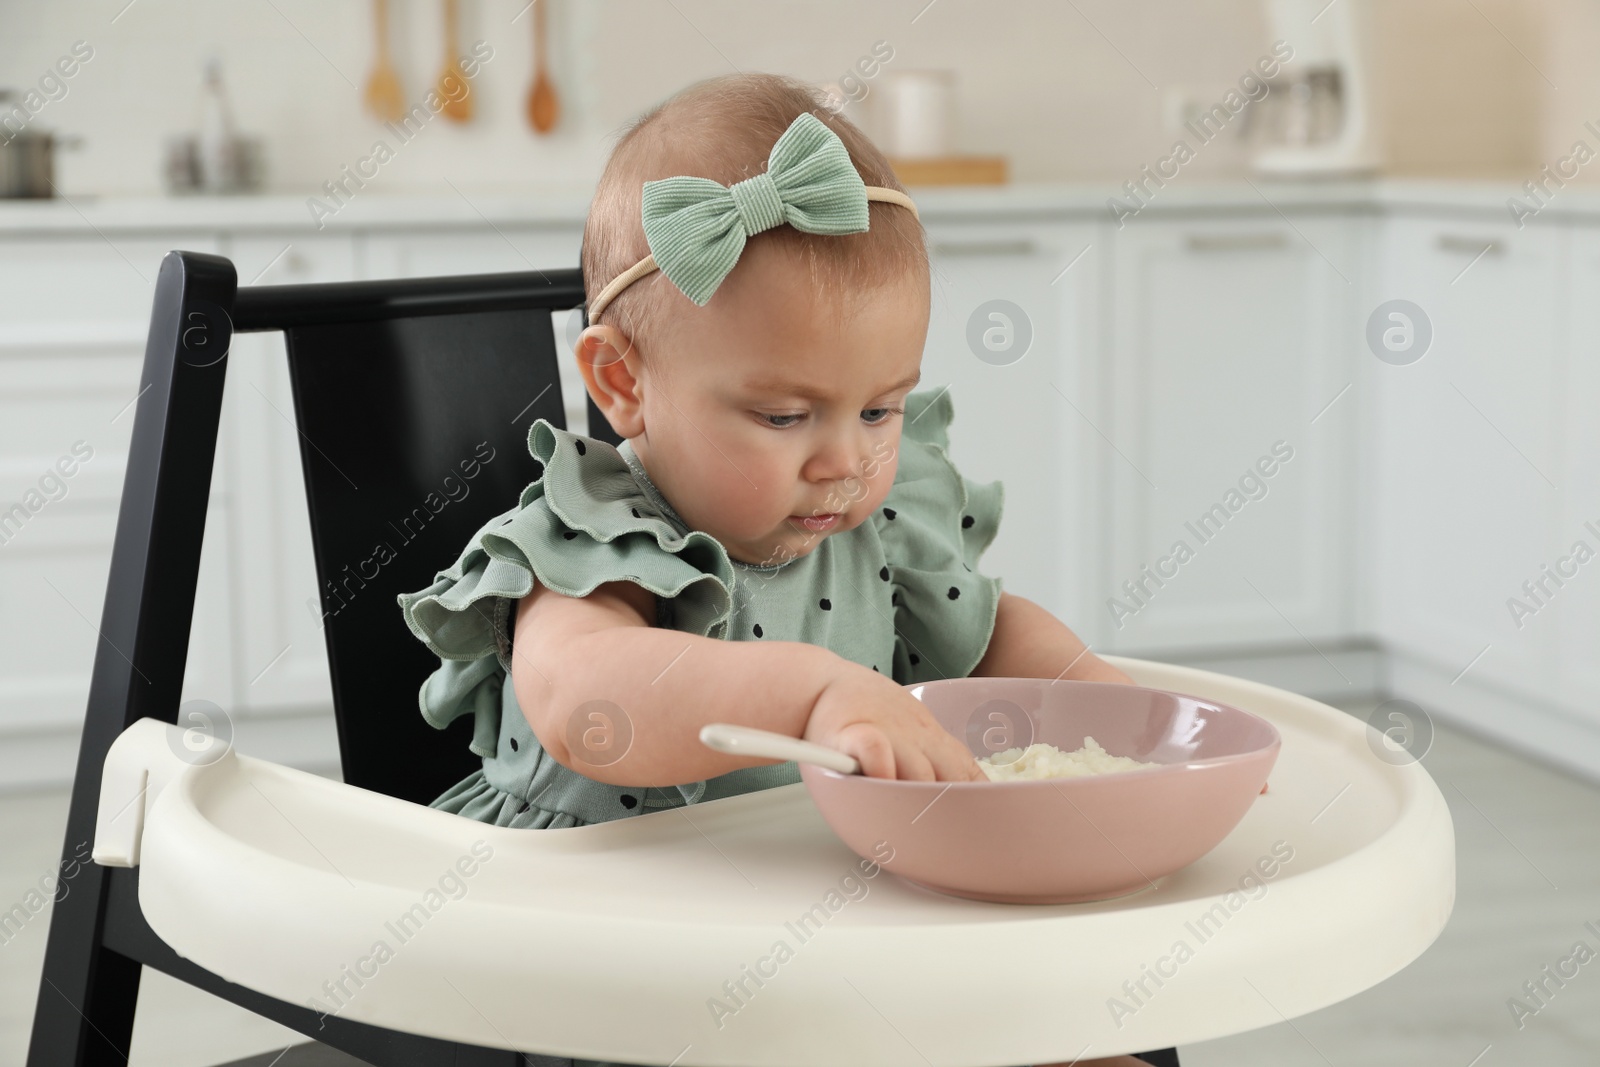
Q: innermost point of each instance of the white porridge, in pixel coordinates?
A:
(1047, 761)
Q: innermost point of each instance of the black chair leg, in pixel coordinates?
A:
(87, 996)
(85, 1011)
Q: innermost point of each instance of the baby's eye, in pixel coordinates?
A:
(878, 416)
(770, 420)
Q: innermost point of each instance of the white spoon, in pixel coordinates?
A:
(749, 741)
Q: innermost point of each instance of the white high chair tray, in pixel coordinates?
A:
(617, 941)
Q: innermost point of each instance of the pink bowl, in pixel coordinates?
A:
(1061, 840)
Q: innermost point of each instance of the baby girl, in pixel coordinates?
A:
(780, 542)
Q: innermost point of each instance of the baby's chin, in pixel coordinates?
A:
(792, 540)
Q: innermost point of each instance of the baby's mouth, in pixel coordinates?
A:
(817, 523)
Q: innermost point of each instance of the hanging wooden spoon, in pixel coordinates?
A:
(384, 99)
(544, 108)
(457, 101)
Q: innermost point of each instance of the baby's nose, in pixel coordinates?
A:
(834, 463)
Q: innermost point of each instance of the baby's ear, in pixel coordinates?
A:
(607, 360)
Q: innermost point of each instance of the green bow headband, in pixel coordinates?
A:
(697, 227)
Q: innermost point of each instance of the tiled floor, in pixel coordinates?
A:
(1528, 878)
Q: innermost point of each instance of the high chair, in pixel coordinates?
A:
(273, 888)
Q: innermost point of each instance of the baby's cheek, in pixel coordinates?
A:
(748, 510)
(880, 474)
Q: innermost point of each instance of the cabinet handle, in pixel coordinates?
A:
(1021, 247)
(1231, 242)
(1472, 246)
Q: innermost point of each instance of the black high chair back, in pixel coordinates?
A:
(396, 383)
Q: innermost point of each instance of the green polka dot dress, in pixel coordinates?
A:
(899, 594)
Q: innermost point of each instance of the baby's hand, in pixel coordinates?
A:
(888, 731)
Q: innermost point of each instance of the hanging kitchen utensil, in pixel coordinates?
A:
(544, 107)
(385, 99)
(457, 100)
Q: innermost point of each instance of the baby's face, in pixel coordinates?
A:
(776, 420)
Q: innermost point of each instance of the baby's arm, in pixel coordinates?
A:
(1029, 642)
(567, 651)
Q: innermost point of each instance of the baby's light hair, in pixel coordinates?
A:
(723, 128)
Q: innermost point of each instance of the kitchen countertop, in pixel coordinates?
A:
(565, 206)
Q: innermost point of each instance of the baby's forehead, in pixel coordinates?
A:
(770, 315)
(778, 282)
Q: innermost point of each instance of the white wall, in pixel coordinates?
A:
(1064, 90)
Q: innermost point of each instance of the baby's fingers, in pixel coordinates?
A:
(880, 757)
(953, 763)
(914, 765)
(869, 746)
(936, 757)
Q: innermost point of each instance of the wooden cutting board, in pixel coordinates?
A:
(951, 170)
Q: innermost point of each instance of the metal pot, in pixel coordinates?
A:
(27, 158)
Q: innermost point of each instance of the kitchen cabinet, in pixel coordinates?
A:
(1576, 604)
(1012, 335)
(73, 316)
(1228, 434)
(1470, 448)
(489, 249)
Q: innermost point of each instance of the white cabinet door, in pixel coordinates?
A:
(74, 315)
(280, 660)
(476, 250)
(489, 250)
(88, 282)
(1011, 334)
(1229, 441)
(1468, 448)
(66, 415)
(1577, 603)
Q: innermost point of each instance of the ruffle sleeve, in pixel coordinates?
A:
(933, 525)
(583, 522)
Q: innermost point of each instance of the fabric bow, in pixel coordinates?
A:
(697, 227)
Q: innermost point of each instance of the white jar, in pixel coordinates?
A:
(916, 113)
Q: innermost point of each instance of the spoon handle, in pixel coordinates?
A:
(538, 37)
(749, 741)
